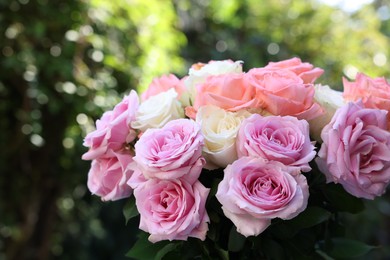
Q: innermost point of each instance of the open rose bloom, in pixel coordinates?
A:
(356, 150)
(223, 150)
(254, 191)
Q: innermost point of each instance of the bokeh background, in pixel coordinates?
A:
(62, 63)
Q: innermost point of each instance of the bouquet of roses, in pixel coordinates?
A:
(225, 163)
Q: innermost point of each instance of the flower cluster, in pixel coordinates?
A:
(260, 128)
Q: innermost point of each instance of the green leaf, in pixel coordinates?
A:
(295, 249)
(143, 249)
(310, 217)
(165, 250)
(236, 240)
(323, 255)
(272, 249)
(345, 248)
(342, 200)
(130, 209)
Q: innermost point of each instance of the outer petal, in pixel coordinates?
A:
(246, 224)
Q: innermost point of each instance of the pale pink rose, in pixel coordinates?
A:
(172, 210)
(171, 152)
(108, 177)
(227, 91)
(113, 131)
(283, 139)
(374, 93)
(282, 92)
(356, 150)
(162, 84)
(255, 191)
(305, 70)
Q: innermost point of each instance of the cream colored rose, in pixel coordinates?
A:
(330, 100)
(158, 110)
(219, 128)
(199, 72)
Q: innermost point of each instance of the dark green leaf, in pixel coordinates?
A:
(214, 217)
(282, 230)
(310, 217)
(143, 249)
(217, 253)
(323, 255)
(194, 248)
(341, 200)
(272, 249)
(130, 209)
(165, 250)
(315, 176)
(345, 248)
(295, 249)
(236, 240)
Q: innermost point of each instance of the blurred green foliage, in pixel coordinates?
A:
(62, 63)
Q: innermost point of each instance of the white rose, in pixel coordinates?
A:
(219, 128)
(199, 75)
(158, 110)
(330, 100)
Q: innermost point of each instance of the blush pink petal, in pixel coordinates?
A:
(246, 224)
(172, 210)
(254, 191)
(162, 84)
(283, 139)
(356, 150)
(304, 70)
(113, 131)
(171, 152)
(107, 177)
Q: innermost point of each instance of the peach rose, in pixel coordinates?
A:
(199, 72)
(282, 92)
(374, 93)
(228, 91)
(304, 70)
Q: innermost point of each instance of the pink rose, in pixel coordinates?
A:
(305, 71)
(108, 177)
(171, 152)
(374, 93)
(254, 191)
(282, 92)
(227, 91)
(283, 139)
(356, 150)
(113, 131)
(172, 210)
(163, 84)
